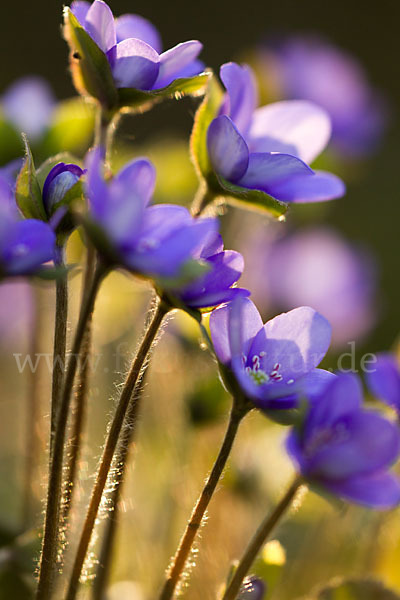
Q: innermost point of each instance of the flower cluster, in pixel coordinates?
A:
(133, 46)
(261, 155)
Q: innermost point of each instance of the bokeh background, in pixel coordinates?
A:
(182, 424)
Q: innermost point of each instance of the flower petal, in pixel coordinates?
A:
(380, 490)
(240, 84)
(225, 269)
(96, 188)
(163, 250)
(135, 26)
(30, 244)
(267, 171)
(319, 187)
(297, 341)
(361, 443)
(227, 149)
(99, 24)
(139, 179)
(384, 380)
(343, 396)
(212, 299)
(80, 9)
(293, 127)
(245, 319)
(176, 59)
(134, 64)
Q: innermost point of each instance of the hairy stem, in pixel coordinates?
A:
(121, 463)
(78, 416)
(203, 198)
(51, 528)
(186, 543)
(258, 540)
(60, 345)
(111, 444)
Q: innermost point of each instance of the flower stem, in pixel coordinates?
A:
(60, 345)
(78, 415)
(111, 444)
(203, 198)
(259, 538)
(175, 572)
(48, 560)
(120, 462)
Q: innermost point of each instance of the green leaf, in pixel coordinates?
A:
(355, 589)
(251, 199)
(206, 112)
(28, 192)
(91, 71)
(71, 128)
(187, 86)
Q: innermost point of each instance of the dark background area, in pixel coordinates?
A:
(31, 43)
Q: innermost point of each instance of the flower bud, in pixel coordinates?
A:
(59, 182)
(252, 589)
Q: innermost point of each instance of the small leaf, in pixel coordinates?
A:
(206, 112)
(28, 192)
(91, 71)
(187, 86)
(252, 199)
(71, 128)
(355, 589)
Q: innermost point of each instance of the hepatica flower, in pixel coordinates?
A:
(133, 48)
(155, 241)
(384, 380)
(61, 179)
(310, 68)
(347, 450)
(214, 287)
(25, 245)
(274, 364)
(269, 148)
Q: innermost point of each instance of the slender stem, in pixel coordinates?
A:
(54, 492)
(31, 461)
(111, 444)
(60, 345)
(104, 120)
(258, 540)
(186, 543)
(121, 463)
(78, 415)
(203, 198)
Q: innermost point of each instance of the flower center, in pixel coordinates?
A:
(258, 375)
(20, 250)
(336, 434)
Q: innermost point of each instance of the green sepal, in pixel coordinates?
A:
(186, 86)
(251, 199)
(91, 71)
(207, 112)
(28, 192)
(355, 589)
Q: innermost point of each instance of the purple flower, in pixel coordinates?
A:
(269, 148)
(318, 268)
(384, 380)
(311, 68)
(59, 181)
(150, 240)
(133, 47)
(345, 449)
(24, 245)
(29, 104)
(214, 288)
(273, 364)
(252, 589)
